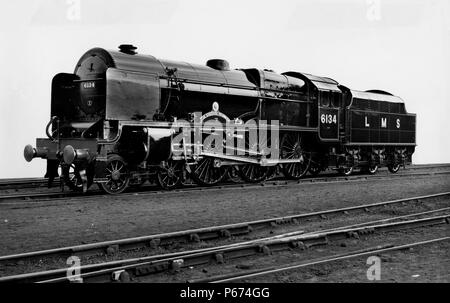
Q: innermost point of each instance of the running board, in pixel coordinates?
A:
(262, 162)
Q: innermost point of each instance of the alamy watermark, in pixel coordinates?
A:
(227, 137)
(73, 12)
(374, 271)
(73, 273)
(373, 10)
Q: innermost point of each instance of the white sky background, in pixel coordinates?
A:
(401, 46)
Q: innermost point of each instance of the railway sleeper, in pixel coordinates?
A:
(112, 250)
(251, 251)
(154, 243)
(366, 231)
(264, 249)
(298, 244)
(148, 269)
(242, 230)
(225, 233)
(121, 276)
(317, 242)
(177, 264)
(219, 257)
(194, 238)
(353, 234)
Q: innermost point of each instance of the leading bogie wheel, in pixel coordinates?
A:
(294, 147)
(170, 176)
(117, 174)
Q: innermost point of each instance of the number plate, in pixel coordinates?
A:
(88, 85)
(329, 123)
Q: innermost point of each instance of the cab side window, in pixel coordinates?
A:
(325, 98)
(336, 99)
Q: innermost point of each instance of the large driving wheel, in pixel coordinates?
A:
(117, 174)
(206, 173)
(233, 174)
(272, 173)
(72, 176)
(253, 172)
(171, 175)
(293, 147)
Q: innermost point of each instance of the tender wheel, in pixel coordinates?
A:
(254, 173)
(293, 147)
(72, 177)
(346, 171)
(394, 168)
(117, 174)
(171, 175)
(372, 169)
(206, 173)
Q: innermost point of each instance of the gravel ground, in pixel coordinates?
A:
(308, 225)
(25, 227)
(428, 263)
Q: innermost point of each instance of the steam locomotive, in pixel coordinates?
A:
(116, 121)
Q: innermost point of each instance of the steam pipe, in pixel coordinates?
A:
(48, 127)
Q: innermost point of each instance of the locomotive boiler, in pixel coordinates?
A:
(122, 118)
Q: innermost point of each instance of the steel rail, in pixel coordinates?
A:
(120, 270)
(47, 195)
(15, 183)
(44, 181)
(382, 220)
(233, 251)
(340, 257)
(25, 181)
(196, 235)
(29, 198)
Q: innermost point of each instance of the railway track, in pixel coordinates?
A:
(148, 190)
(216, 232)
(251, 274)
(24, 183)
(123, 270)
(21, 183)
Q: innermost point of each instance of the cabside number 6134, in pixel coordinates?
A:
(328, 119)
